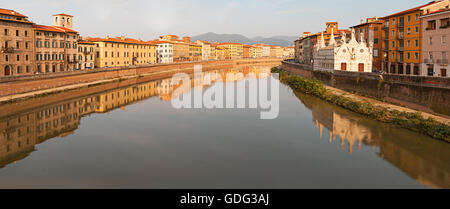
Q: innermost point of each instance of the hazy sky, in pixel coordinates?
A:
(147, 19)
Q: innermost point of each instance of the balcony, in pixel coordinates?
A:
(400, 48)
(8, 50)
(400, 25)
(445, 26)
(385, 27)
(428, 61)
(401, 36)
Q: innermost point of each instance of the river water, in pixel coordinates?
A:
(125, 135)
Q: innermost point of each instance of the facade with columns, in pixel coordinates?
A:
(345, 55)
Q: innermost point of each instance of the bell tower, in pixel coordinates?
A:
(332, 27)
(63, 20)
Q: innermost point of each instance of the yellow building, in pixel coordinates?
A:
(212, 55)
(121, 51)
(256, 52)
(235, 50)
(402, 39)
(195, 52)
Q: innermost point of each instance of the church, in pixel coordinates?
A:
(345, 55)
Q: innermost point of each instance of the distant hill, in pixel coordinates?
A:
(275, 40)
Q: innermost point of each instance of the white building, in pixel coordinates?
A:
(206, 49)
(164, 52)
(344, 55)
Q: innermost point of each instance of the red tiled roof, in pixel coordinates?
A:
(53, 29)
(11, 12)
(438, 11)
(230, 44)
(62, 14)
(409, 10)
(120, 40)
(162, 42)
(86, 42)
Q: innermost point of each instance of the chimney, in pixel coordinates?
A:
(107, 37)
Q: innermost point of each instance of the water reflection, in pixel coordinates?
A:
(25, 124)
(422, 158)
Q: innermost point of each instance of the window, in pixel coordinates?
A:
(444, 39)
(393, 44)
(417, 17)
(417, 43)
(409, 31)
(409, 18)
(416, 55)
(408, 43)
(344, 66)
(6, 32)
(17, 32)
(430, 41)
(393, 33)
(408, 55)
(444, 55)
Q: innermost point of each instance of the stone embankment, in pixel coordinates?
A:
(428, 94)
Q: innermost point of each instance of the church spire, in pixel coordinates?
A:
(332, 39)
(322, 42)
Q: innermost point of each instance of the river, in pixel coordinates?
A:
(128, 135)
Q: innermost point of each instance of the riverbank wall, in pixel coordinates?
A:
(428, 94)
(12, 88)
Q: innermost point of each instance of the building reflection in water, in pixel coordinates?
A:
(21, 129)
(422, 158)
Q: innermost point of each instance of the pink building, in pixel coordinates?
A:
(436, 49)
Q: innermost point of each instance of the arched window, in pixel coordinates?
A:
(56, 19)
(68, 20)
(7, 70)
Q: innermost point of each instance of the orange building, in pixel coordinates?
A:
(247, 51)
(402, 39)
(372, 33)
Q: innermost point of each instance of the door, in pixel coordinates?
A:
(444, 72)
(344, 66)
(7, 70)
(360, 67)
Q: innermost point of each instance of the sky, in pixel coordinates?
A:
(148, 19)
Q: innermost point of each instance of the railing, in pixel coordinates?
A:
(401, 25)
(444, 26)
(401, 36)
(7, 50)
